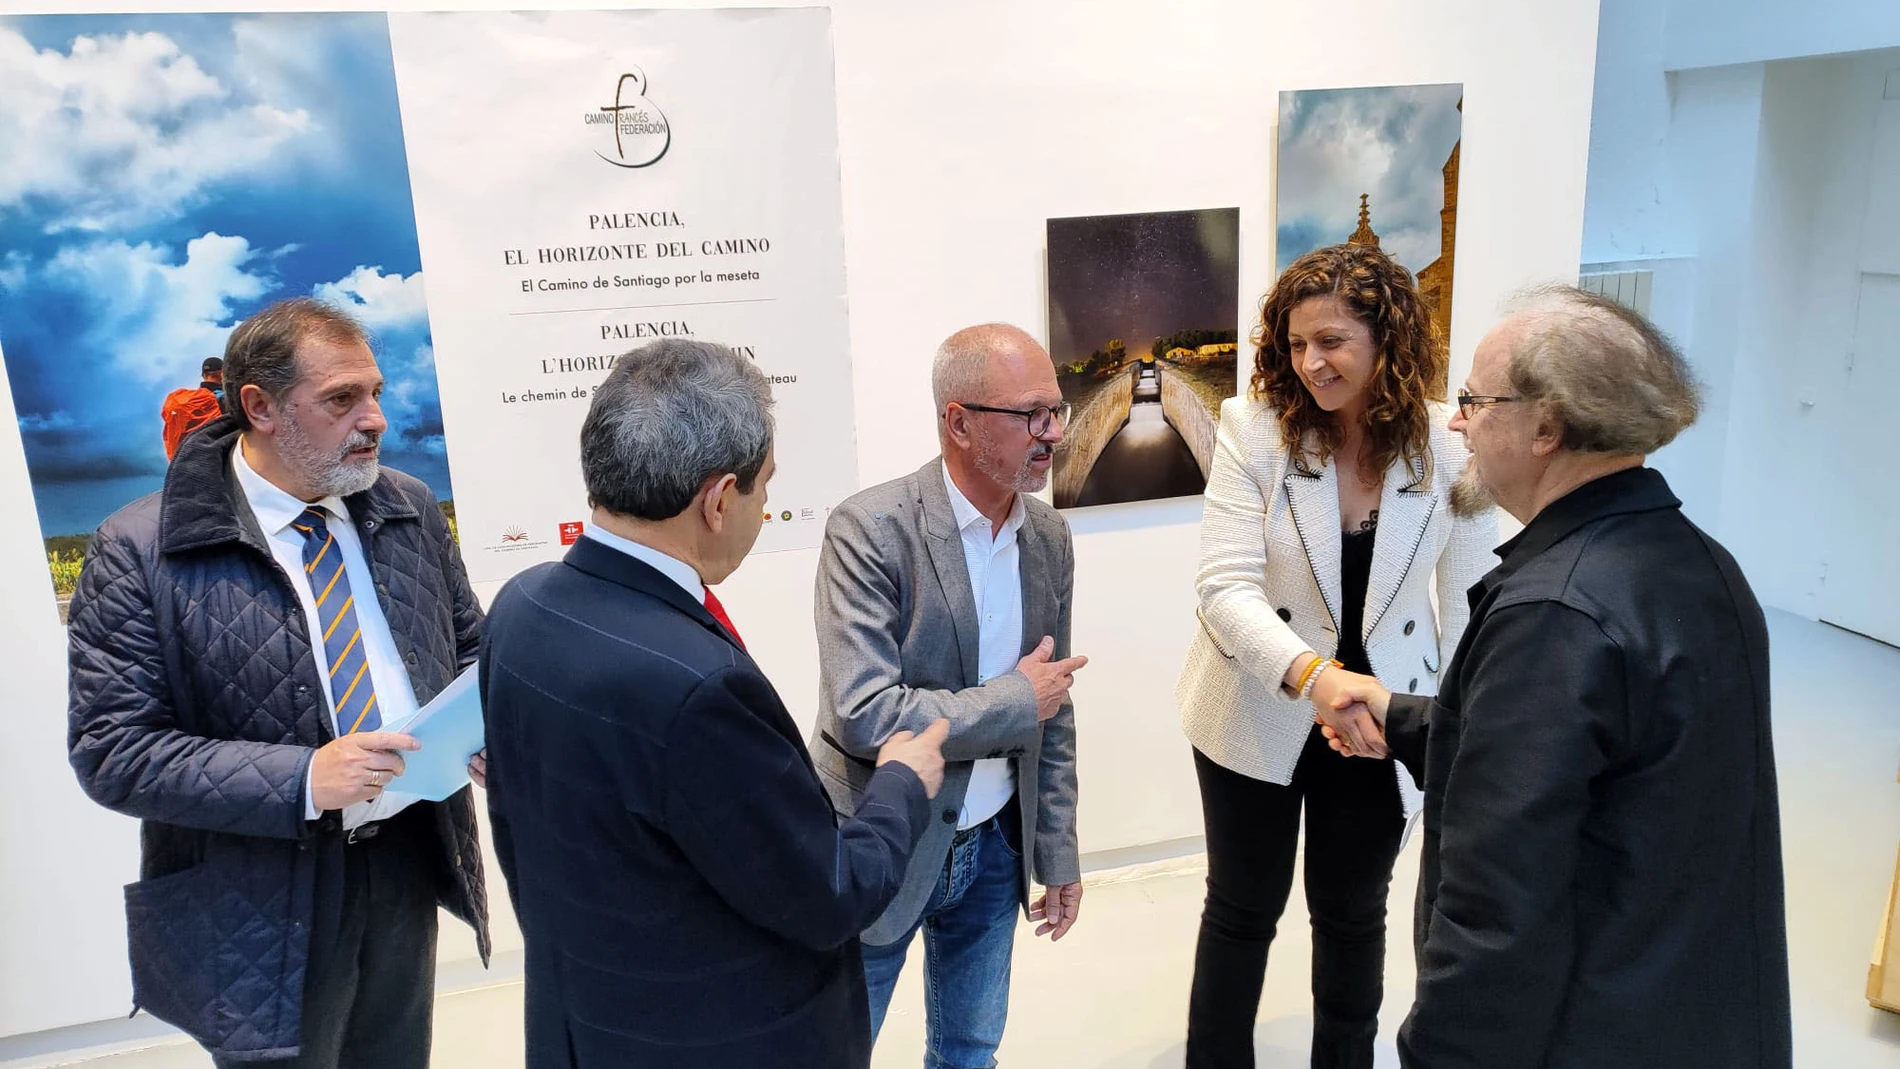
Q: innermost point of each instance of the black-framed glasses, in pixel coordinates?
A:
(1040, 418)
(1470, 402)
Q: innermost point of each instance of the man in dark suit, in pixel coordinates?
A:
(1601, 883)
(687, 896)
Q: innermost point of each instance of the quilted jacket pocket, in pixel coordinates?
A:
(175, 941)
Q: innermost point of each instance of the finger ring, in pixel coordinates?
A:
(376, 779)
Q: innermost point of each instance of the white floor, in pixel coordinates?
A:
(1114, 994)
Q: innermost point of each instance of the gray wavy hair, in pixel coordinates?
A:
(670, 416)
(1616, 383)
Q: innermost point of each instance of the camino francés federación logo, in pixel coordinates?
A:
(641, 132)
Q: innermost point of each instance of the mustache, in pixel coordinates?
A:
(358, 440)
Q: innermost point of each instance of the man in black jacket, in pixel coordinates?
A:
(687, 897)
(237, 640)
(1601, 883)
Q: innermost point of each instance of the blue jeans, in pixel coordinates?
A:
(969, 925)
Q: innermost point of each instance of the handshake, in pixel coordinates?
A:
(1350, 710)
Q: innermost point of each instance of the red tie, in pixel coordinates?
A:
(719, 614)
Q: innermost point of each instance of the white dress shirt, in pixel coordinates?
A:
(994, 561)
(395, 696)
(677, 570)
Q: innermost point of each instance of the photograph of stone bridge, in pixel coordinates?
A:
(1142, 326)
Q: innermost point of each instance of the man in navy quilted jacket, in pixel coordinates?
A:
(238, 640)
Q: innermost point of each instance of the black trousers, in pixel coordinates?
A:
(1353, 824)
(369, 990)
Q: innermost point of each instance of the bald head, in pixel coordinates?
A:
(989, 381)
(974, 360)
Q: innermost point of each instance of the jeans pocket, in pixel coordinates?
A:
(1009, 830)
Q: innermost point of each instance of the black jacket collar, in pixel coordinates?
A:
(1617, 494)
(203, 506)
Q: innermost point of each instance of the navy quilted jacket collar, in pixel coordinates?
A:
(203, 506)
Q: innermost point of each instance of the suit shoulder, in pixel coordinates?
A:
(1047, 518)
(889, 494)
(888, 504)
(1252, 427)
(1244, 412)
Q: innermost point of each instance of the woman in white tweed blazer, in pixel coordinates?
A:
(1326, 523)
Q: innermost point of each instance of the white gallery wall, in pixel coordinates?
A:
(1762, 192)
(962, 128)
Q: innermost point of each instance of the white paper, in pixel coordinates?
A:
(450, 730)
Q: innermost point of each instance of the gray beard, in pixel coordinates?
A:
(328, 474)
(1024, 480)
(1469, 497)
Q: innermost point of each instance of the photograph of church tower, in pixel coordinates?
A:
(1374, 166)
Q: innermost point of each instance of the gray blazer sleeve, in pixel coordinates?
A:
(860, 618)
(1058, 859)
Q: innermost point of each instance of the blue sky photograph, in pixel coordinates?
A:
(1389, 143)
(167, 176)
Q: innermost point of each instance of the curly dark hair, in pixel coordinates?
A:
(1409, 361)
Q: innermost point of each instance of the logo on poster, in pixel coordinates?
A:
(641, 133)
(515, 538)
(571, 533)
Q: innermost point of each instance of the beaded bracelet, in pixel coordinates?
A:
(1299, 685)
(1312, 678)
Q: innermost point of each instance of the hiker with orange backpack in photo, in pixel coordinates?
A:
(188, 408)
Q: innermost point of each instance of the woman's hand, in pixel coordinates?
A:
(1351, 708)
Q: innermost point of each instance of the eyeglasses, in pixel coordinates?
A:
(1471, 402)
(1040, 419)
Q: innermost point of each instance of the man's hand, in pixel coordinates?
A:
(356, 768)
(1057, 909)
(1350, 709)
(478, 768)
(1052, 679)
(922, 753)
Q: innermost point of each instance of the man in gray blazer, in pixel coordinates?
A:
(946, 594)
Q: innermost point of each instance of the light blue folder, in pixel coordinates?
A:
(450, 731)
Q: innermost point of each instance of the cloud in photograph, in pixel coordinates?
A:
(150, 312)
(180, 172)
(123, 130)
(379, 301)
(1389, 143)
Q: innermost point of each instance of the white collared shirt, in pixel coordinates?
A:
(672, 567)
(395, 696)
(995, 565)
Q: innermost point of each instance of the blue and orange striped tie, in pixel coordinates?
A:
(351, 688)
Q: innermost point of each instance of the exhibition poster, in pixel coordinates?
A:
(571, 185)
(588, 182)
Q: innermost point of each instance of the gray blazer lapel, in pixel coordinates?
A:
(1040, 611)
(1406, 506)
(946, 557)
(1313, 499)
